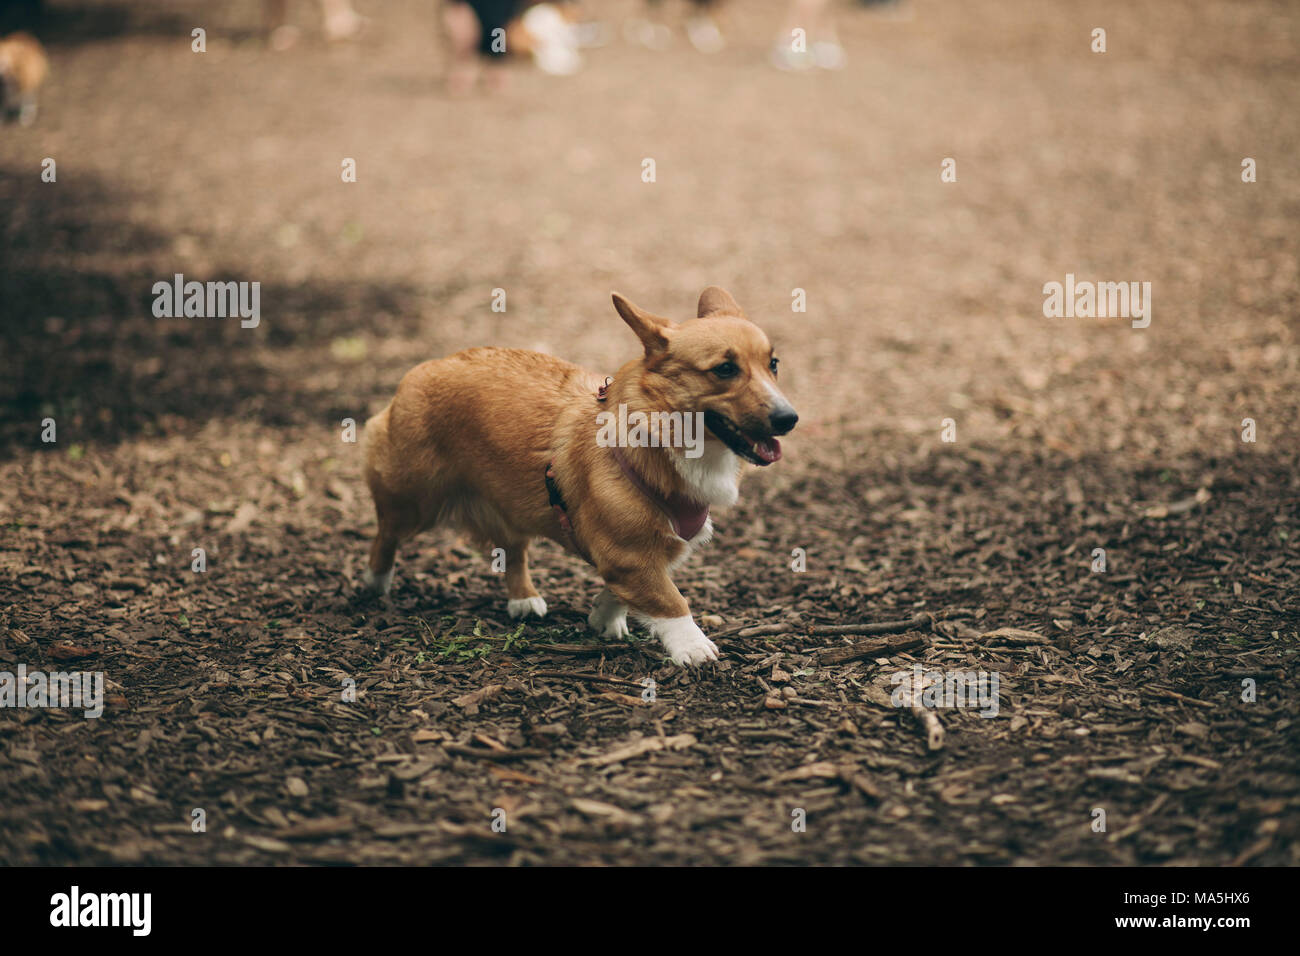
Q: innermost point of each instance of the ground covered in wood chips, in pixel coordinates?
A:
(1125, 690)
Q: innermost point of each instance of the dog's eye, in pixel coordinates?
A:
(774, 363)
(726, 370)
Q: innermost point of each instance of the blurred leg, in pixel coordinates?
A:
(27, 109)
(702, 28)
(463, 30)
(276, 13)
(826, 50)
(650, 31)
(280, 33)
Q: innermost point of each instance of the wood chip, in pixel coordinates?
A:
(640, 747)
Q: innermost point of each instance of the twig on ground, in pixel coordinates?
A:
(922, 619)
(600, 678)
(840, 655)
(933, 729)
(1174, 695)
(584, 650)
(925, 716)
(483, 754)
(1015, 636)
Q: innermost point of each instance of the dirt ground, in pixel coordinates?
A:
(1120, 691)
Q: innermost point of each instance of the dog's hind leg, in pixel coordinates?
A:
(523, 597)
(27, 109)
(397, 522)
(378, 574)
(397, 510)
(399, 519)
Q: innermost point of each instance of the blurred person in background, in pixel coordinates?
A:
(472, 27)
(485, 32)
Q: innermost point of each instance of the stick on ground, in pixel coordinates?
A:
(853, 652)
(789, 627)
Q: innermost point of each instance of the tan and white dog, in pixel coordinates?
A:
(23, 68)
(507, 445)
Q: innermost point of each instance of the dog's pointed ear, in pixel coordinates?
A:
(652, 330)
(714, 300)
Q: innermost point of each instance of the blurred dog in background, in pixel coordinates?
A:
(23, 68)
(489, 31)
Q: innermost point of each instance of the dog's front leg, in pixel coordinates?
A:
(609, 616)
(652, 597)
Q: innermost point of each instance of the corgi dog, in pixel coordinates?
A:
(23, 67)
(507, 445)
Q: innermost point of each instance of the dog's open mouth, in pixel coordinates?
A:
(761, 451)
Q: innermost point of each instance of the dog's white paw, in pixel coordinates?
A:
(684, 641)
(616, 628)
(609, 616)
(379, 583)
(522, 607)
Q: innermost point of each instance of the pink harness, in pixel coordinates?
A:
(687, 515)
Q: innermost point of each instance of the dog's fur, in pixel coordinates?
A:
(467, 440)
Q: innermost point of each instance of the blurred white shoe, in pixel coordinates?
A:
(343, 23)
(704, 34)
(284, 37)
(785, 57)
(555, 42)
(829, 55)
(592, 33)
(652, 36)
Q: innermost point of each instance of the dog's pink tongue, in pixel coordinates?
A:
(769, 450)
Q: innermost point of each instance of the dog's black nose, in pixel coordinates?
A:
(783, 419)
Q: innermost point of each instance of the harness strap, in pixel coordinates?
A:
(562, 513)
(687, 515)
